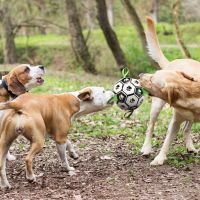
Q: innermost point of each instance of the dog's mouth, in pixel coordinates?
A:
(112, 100)
(151, 95)
(40, 80)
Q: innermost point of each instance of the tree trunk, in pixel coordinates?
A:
(140, 30)
(77, 40)
(109, 34)
(42, 9)
(154, 10)
(89, 13)
(179, 37)
(109, 4)
(8, 36)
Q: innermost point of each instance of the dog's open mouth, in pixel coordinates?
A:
(40, 80)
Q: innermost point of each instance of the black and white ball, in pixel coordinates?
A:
(129, 93)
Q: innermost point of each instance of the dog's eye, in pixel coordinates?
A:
(104, 91)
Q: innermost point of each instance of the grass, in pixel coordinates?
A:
(111, 122)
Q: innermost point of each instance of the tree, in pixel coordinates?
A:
(109, 5)
(77, 40)
(175, 10)
(109, 34)
(8, 35)
(140, 30)
(154, 10)
(89, 13)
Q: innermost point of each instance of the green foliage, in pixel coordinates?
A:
(55, 50)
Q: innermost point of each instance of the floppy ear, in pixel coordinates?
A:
(14, 84)
(85, 95)
(171, 94)
(188, 76)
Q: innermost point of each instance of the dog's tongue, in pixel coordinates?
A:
(40, 80)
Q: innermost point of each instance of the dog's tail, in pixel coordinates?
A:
(9, 105)
(18, 120)
(153, 44)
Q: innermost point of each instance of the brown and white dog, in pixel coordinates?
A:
(35, 115)
(18, 81)
(189, 66)
(183, 93)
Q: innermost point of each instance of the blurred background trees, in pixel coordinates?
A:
(98, 36)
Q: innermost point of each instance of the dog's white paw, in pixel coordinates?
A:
(73, 155)
(10, 157)
(70, 168)
(158, 160)
(191, 149)
(146, 149)
(5, 186)
(72, 172)
(31, 178)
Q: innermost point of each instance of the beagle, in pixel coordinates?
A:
(20, 80)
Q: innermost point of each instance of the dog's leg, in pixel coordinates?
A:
(172, 131)
(156, 107)
(10, 157)
(63, 156)
(5, 142)
(71, 150)
(36, 147)
(187, 137)
(4, 180)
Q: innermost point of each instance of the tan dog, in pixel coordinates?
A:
(189, 66)
(35, 115)
(183, 93)
(18, 81)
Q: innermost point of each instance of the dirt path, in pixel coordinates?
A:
(105, 170)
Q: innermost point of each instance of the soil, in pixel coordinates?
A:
(106, 169)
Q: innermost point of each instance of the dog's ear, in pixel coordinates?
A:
(171, 94)
(14, 85)
(85, 94)
(187, 76)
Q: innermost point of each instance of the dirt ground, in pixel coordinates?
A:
(105, 170)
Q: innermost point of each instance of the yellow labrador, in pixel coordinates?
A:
(189, 66)
(183, 93)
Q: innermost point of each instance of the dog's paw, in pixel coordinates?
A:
(72, 173)
(73, 155)
(146, 150)
(10, 157)
(158, 160)
(70, 169)
(31, 178)
(5, 186)
(192, 150)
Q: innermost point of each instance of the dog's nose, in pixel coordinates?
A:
(141, 75)
(41, 67)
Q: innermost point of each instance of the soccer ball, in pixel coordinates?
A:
(129, 93)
